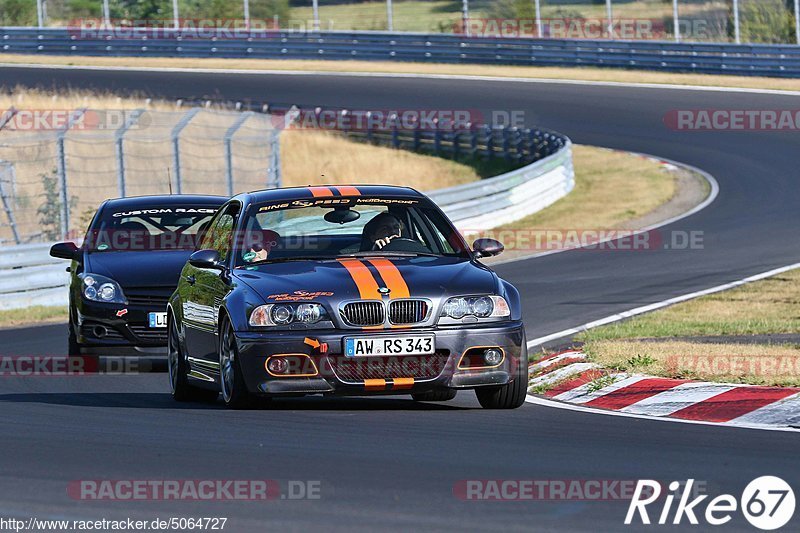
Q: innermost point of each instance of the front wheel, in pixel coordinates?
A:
(182, 391)
(511, 395)
(234, 391)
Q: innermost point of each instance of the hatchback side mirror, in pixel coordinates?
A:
(487, 247)
(65, 250)
(206, 259)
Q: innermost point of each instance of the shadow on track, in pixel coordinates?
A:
(155, 400)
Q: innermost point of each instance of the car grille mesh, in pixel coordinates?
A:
(149, 334)
(357, 369)
(408, 311)
(367, 313)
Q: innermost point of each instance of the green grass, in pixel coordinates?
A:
(768, 306)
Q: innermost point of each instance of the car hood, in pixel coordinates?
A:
(154, 268)
(425, 277)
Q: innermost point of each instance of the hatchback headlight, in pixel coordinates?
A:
(285, 314)
(477, 306)
(98, 288)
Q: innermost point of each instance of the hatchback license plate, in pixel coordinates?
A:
(157, 320)
(405, 345)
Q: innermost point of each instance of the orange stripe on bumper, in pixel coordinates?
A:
(392, 277)
(402, 383)
(348, 191)
(319, 192)
(363, 278)
(375, 384)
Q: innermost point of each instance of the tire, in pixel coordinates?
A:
(182, 391)
(234, 390)
(511, 395)
(437, 395)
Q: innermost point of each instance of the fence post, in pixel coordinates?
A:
(274, 170)
(229, 150)
(609, 22)
(247, 14)
(389, 17)
(106, 14)
(797, 20)
(62, 170)
(315, 11)
(538, 19)
(736, 31)
(39, 13)
(676, 21)
(176, 146)
(175, 15)
(119, 140)
(465, 16)
(7, 169)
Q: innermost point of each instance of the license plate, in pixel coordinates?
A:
(405, 345)
(157, 320)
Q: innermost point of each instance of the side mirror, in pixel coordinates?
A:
(487, 247)
(206, 259)
(65, 250)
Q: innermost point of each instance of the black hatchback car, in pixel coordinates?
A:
(343, 290)
(127, 267)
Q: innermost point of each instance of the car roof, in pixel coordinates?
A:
(165, 200)
(321, 191)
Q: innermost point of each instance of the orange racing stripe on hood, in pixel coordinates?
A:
(363, 278)
(392, 277)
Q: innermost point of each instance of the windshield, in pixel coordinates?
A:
(339, 227)
(149, 228)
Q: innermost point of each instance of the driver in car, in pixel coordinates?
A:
(258, 245)
(382, 229)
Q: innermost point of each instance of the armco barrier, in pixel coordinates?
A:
(723, 58)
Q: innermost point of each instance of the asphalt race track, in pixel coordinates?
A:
(390, 463)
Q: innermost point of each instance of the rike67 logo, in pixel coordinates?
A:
(767, 503)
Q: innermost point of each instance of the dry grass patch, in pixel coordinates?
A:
(554, 73)
(317, 157)
(730, 363)
(32, 316)
(611, 188)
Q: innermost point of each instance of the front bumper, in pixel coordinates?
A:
(119, 329)
(334, 373)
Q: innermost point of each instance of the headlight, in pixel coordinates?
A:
(101, 289)
(285, 314)
(477, 306)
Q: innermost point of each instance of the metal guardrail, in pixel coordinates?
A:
(29, 276)
(721, 58)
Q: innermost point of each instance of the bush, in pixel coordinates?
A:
(18, 13)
